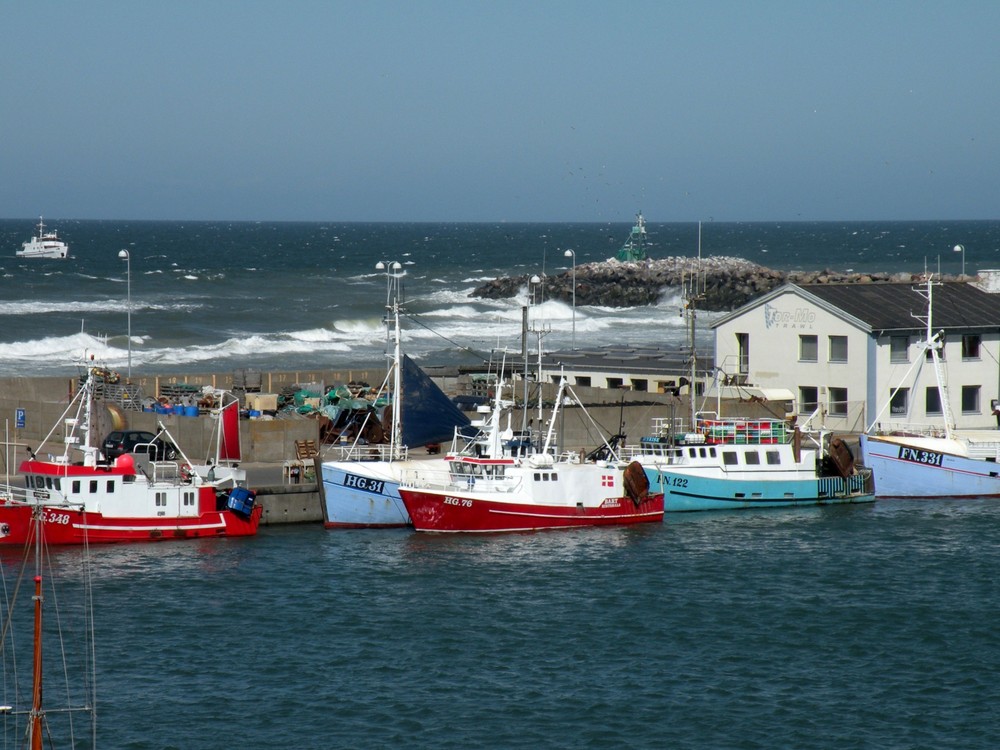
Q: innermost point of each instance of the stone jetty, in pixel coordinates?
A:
(725, 283)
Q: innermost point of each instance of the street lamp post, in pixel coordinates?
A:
(961, 249)
(126, 256)
(572, 254)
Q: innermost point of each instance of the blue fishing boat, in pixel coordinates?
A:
(749, 463)
(360, 487)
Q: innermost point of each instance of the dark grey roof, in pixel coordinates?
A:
(893, 306)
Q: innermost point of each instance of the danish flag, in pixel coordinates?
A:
(607, 480)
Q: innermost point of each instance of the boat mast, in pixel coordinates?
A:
(932, 343)
(394, 273)
(691, 297)
(36, 714)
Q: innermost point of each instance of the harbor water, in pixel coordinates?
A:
(839, 627)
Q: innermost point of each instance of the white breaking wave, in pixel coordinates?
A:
(30, 307)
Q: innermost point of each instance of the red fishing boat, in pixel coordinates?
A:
(530, 493)
(86, 500)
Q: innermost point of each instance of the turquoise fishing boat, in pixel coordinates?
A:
(749, 463)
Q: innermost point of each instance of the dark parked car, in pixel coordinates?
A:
(136, 441)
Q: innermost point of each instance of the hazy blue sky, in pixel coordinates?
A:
(501, 111)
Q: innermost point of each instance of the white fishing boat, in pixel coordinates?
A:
(44, 245)
(931, 460)
(494, 491)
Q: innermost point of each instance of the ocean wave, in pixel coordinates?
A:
(29, 307)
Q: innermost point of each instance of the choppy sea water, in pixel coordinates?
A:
(218, 296)
(841, 627)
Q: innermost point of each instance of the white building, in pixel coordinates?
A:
(844, 349)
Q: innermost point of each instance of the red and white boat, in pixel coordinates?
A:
(500, 492)
(87, 501)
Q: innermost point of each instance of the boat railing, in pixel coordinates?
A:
(168, 472)
(440, 479)
(856, 484)
(368, 452)
(912, 429)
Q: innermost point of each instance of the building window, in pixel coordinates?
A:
(615, 382)
(970, 346)
(743, 353)
(838, 348)
(808, 348)
(899, 348)
(970, 399)
(640, 385)
(929, 356)
(932, 401)
(898, 404)
(583, 380)
(808, 399)
(838, 402)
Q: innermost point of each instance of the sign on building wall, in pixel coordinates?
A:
(801, 318)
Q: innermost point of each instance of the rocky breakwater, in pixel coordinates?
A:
(724, 283)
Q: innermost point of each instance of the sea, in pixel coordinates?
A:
(864, 626)
(839, 627)
(221, 296)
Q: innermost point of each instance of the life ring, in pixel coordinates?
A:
(186, 472)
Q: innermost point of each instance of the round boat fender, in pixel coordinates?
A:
(636, 482)
(842, 458)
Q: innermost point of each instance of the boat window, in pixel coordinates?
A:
(773, 458)
(692, 453)
(161, 499)
(48, 483)
(702, 452)
(76, 486)
(188, 498)
(29, 481)
(729, 458)
(93, 486)
(538, 476)
(752, 458)
(111, 485)
(57, 484)
(711, 451)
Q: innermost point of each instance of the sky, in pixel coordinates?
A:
(516, 111)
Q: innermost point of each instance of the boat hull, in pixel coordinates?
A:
(362, 495)
(908, 471)
(442, 512)
(73, 526)
(689, 492)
